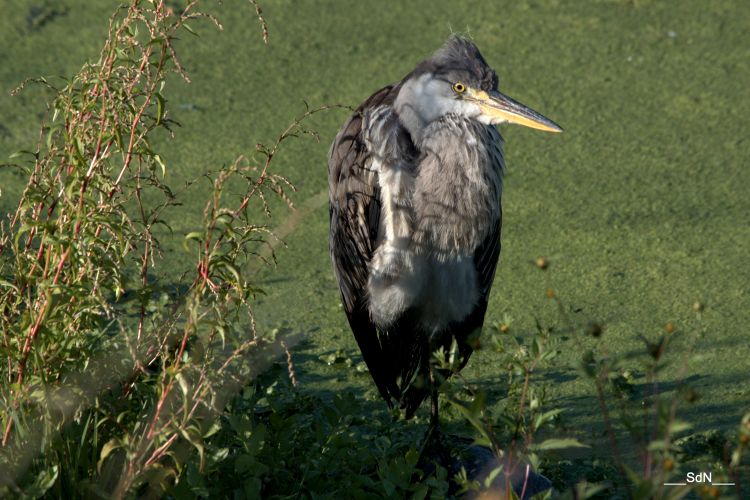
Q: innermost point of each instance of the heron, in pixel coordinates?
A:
(415, 182)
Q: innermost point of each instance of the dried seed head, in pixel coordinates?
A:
(551, 293)
(594, 329)
(669, 327)
(475, 343)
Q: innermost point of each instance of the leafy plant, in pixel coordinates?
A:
(111, 374)
(646, 419)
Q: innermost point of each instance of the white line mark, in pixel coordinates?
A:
(712, 484)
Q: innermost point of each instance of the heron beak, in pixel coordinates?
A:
(499, 108)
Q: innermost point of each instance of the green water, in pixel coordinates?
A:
(642, 205)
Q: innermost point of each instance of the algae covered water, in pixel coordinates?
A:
(641, 206)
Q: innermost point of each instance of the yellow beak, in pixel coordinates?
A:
(500, 108)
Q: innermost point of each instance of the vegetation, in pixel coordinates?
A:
(111, 371)
(127, 376)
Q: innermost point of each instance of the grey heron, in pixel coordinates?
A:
(415, 182)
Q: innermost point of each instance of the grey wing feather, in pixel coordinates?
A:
(355, 214)
(487, 254)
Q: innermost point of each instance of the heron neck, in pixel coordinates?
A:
(417, 106)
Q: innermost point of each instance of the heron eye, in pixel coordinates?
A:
(459, 88)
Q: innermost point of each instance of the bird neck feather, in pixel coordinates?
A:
(458, 186)
(418, 104)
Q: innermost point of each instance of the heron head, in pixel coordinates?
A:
(456, 79)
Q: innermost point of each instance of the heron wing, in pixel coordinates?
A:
(486, 258)
(355, 215)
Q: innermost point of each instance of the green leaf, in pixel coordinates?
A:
(657, 445)
(189, 29)
(23, 229)
(195, 235)
(118, 138)
(215, 427)
(21, 153)
(454, 357)
(108, 448)
(183, 383)
(492, 476)
(51, 133)
(558, 444)
(161, 164)
(235, 272)
(219, 455)
(194, 439)
(678, 426)
(421, 492)
(585, 490)
(43, 482)
(159, 107)
(546, 417)
(536, 348)
(473, 419)
(8, 284)
(224, 220)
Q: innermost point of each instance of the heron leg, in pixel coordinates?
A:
(434, 450)
(434, 417)
(432, 438)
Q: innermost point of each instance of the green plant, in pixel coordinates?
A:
(112, 374)
(645, 418)
(512, 431)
